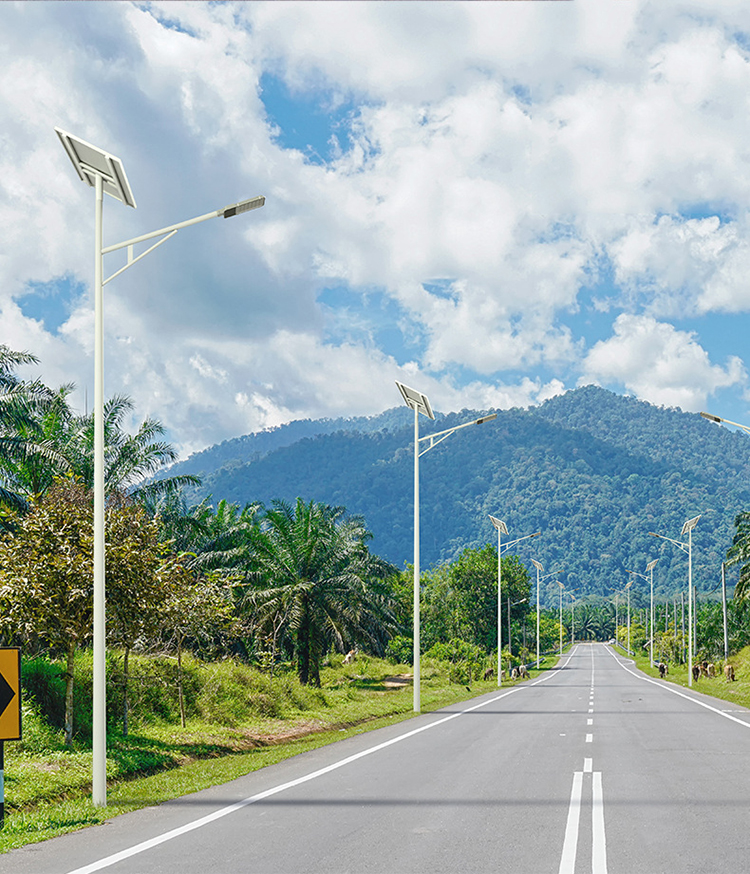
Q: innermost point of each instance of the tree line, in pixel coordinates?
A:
(280, 584)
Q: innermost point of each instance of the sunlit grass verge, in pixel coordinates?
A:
(48, 787)
(738, 692)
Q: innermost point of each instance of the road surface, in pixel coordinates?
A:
(591, 768)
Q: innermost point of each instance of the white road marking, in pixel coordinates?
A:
(568, 860)
(589, 738)
(598, 835)
(598, 841)
(108, 861)
(589, 722)
(668, 686)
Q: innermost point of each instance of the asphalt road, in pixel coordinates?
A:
(591, 768)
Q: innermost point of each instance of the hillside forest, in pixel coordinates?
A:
(301, 551)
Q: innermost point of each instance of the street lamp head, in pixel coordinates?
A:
(712, 418)
(243, 206)
(90, 161)
(415, 400)
(537, 564)
(689, 525)
(487, 418)
(650, 566)
(499, 524)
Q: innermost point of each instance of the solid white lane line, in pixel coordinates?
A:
(670, 688)
(599, 842)
(232, 808)
(568, 860)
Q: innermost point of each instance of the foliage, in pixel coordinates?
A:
(591, 470)
(400, 650)
(312, 566)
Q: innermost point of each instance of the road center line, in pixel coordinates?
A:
(568, 860)
(598, 842)
(232, 808)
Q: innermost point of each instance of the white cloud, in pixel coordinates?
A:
(659, 364)
(504, 150)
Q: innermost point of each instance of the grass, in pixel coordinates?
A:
(47, 789)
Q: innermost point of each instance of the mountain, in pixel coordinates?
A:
(595, 472)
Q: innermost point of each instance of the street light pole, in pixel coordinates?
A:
(502, 528)
(649, 567)
(420, 403)
(687, 528)
(627, 589)
(539, 569)
(105, 173)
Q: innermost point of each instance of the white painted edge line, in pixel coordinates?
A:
(238, 805)
(670, 688)
(599, 841)
(570, 845)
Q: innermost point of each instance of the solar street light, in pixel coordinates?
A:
(105, 173)
(420, 403)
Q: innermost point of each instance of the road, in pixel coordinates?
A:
(591, 768)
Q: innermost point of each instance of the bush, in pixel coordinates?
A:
(400, 650)
(42, 681)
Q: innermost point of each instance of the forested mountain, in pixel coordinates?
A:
(593, 471)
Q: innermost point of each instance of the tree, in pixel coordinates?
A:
(46, 576)
(312, 561)
(141, 575)
(739, 553)
(461, 597)
(20, 436)
(197, 608)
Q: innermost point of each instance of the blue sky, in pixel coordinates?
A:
(492, 202)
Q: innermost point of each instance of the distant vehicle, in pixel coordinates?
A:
(612, 641)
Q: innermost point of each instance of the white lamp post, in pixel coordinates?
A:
(627, 589)
(649, 567)
(560, 623)
(106, 174)
(502, 529)
(539, 569)
(687, 528)
(420, 403)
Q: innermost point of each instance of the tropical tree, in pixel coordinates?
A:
(20, 436)
(739, 553)
(46, 576)
(141, 576)
(312, 562)
(460, 598)
(198, 608)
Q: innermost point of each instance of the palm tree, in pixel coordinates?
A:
(312, 565)
(739, 553)
(21, 438)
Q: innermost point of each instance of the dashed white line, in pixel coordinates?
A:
(589, 738)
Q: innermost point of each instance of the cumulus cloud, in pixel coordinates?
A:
(659, 363)
(506, 157)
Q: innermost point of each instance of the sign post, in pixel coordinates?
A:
(10, 709)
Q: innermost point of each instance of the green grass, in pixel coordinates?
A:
(47, 786)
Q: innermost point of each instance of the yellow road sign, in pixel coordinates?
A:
(10, 693)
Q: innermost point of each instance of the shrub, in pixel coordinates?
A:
(400, 650)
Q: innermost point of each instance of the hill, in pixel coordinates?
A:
(593, 471)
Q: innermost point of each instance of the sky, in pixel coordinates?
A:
(492, 202)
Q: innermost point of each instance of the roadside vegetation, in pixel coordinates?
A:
(239, 719)
(228, 625)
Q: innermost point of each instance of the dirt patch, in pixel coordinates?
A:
(398, 682)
